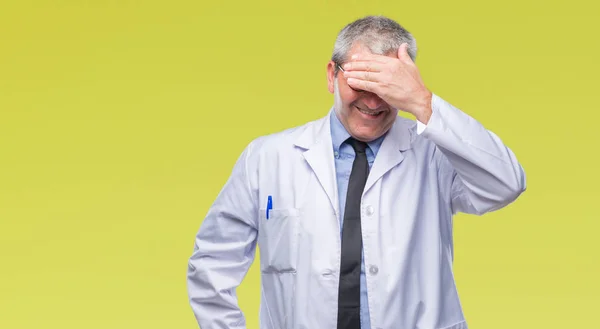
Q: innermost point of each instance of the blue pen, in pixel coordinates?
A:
(269, 205)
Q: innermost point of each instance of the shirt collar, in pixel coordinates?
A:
(339, 134)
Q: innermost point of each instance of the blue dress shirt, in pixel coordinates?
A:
(344, 157)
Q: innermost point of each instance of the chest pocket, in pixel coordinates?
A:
(278, 240)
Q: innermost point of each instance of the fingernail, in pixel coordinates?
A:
(355, 56)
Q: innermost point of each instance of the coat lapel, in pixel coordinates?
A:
(317, 143)
(397, 140)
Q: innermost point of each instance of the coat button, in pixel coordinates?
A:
(369, 210)
(373, 269)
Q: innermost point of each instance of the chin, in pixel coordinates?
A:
(367, 135)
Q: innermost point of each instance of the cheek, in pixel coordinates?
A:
(348, 95)
(348, 106)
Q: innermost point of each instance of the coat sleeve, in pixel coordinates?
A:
(224, 249)
(481, 173)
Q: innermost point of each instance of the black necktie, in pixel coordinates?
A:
(349, 288)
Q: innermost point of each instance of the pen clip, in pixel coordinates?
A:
(269, 205)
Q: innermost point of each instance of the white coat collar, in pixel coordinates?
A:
(317, 143)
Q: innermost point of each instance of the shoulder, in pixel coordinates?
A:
(409, 125)
(282, 141)
(405, 131)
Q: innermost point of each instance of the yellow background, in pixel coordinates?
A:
(121, 120)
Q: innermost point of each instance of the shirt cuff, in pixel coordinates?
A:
(420, 127)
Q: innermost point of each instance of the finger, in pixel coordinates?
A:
(403, 53)
(369, 66)
(363, 75)
(364, 85)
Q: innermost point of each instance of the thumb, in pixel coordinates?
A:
(403, 53)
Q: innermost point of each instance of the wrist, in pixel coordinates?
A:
(424, 110)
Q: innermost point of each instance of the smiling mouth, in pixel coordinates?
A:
(372, 113)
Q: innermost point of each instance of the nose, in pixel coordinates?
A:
(372, 101)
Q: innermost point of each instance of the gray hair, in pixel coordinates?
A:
(380, 34)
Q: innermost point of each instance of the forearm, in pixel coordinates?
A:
(212, 279)
(224, 250)
(487, 173)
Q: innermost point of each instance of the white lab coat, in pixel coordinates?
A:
(417, 182)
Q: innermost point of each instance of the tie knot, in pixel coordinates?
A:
(358, 146)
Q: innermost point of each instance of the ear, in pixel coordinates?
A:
(330, 76)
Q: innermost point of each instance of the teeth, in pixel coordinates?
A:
(369, 112)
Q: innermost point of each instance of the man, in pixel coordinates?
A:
(352, 213)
